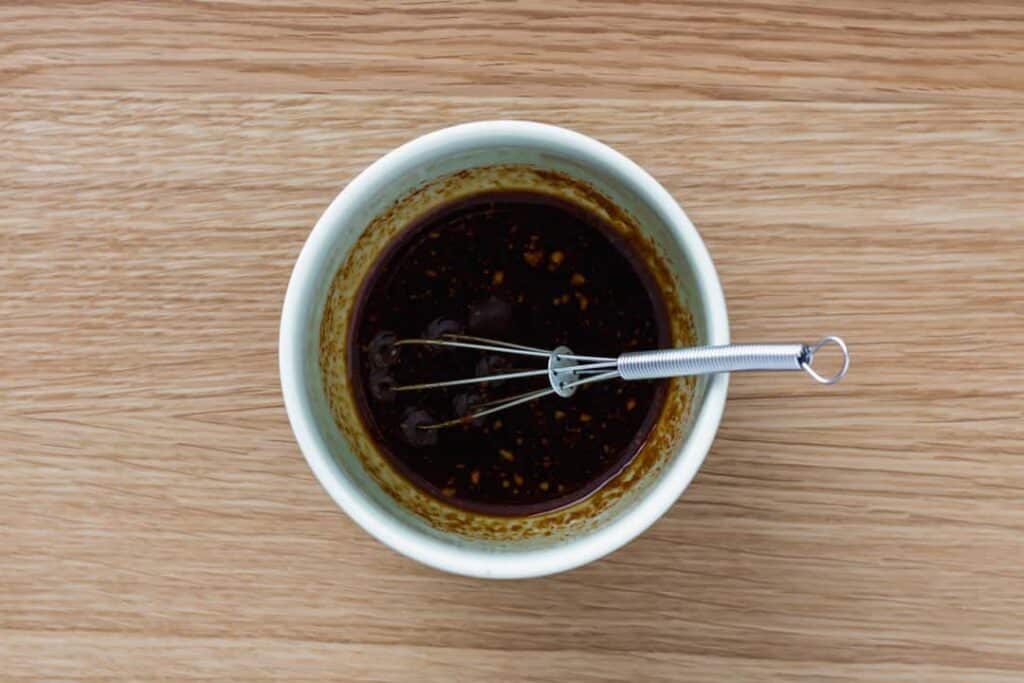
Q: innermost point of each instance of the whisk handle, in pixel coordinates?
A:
(705, 360)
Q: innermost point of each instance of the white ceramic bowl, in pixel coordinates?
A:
(396, 174)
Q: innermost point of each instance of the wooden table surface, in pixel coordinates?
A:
(853, 166)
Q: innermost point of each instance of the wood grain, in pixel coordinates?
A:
(796, 50)
(853, 167)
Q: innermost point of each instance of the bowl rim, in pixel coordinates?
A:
(368, 513)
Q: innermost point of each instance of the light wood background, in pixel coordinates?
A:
(855, 167)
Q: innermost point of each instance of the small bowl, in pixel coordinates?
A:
(354, 229)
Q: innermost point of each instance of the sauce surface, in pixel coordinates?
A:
(524, 268)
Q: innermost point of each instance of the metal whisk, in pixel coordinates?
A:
(567, 371)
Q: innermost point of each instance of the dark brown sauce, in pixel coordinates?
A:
(525, 268)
